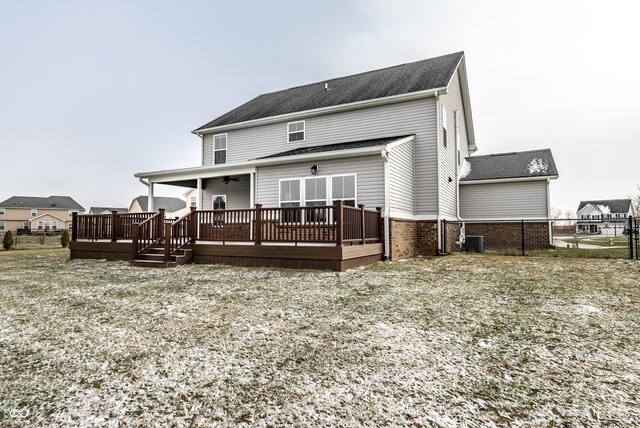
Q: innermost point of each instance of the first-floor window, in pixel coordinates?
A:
(2, 225)
(26, 225)
(219, 202)
(54, 225)
(70, 226)
(39, 225)
(290, 197)
(47, 225)
(343, 187)
(315, 194)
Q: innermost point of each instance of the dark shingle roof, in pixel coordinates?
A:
(614, 205)
(169, 204)
(333, 147)
(533, 163)
(59, 202)
(100, 210)
(417, 76)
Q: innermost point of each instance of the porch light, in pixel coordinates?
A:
(314, 169)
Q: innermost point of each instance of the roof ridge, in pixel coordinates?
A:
(509, 153)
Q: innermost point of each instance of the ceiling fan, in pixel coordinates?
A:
(226, 179)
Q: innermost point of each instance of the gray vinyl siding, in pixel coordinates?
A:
(207, 150)
(402, 179)
(518, 200)
(369, 172)
(417, 118)
(448, 166)
(237, 192)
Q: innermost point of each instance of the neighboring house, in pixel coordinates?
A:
(27, 214)
(106, 210)
(605, 217)
(173, 206)
(393, 138)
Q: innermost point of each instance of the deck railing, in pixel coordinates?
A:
(337, 224)
(147, 233)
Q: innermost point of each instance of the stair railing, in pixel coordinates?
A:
(180, 233)
(147, 233)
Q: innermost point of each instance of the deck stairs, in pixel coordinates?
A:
(154, 257)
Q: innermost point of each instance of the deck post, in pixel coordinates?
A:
(135, 235)
(167, 241)
(113, 226)
(339, 222)
(74, 226)
(193, 225)
(362, 228)
(379, 209)
(257, 236)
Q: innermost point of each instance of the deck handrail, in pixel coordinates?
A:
(337, 224)
(180, 233)
(147, 233)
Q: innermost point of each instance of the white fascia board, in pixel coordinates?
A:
(399, 142)
(324, 110)
(509, 180)
(44, 215)
(466, 102)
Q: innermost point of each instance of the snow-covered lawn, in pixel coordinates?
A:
(456, 341)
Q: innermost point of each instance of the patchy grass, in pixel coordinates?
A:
(458, 340)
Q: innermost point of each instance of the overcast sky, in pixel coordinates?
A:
(93, 92)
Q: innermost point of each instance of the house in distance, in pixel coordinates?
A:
(30, 214)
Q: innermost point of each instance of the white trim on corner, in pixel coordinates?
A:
(510, 180)
(325, 110)
(46, 214)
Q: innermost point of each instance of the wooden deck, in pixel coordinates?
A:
(333, 237)
(276, 256)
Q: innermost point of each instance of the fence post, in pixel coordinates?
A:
(135, 235)
(522, 237)
(113, 226)
(74, 226)
(339, 222)
(362, 228)
(257, 235)
(631, 234)
(159, 225)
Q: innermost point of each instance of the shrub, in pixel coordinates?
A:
(65, 238)
(7, 241)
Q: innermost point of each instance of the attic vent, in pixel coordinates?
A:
(326, 87)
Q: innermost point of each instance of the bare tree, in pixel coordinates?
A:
(635, 201)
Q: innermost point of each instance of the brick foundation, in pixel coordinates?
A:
(402, 239)
(411, 238)
(501, 236)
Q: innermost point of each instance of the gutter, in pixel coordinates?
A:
(324, 110)
(510, 180)
(438, 196)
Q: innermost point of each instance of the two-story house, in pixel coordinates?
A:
(605, 217)
(394, 138)
(28, 214)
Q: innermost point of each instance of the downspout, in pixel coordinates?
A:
(438, 218)
(143, 182)
(549, 212)
(387, 202)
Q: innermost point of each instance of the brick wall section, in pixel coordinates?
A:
(452, 235)
(427, 244)
(402, 239)
(501, 236)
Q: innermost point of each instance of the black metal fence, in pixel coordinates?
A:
(595, 238)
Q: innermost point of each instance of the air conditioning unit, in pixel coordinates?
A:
(474, 244)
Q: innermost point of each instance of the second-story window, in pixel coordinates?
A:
(34, 212)
(295, 131)
(220, 149)
(444, 127)
(1, 211)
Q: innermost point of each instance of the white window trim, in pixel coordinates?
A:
(2, 211)
(226, 145)
(300, 201)
(34, 212)
(3, 225)
(214, 197)
(304, 131)
(329, 181)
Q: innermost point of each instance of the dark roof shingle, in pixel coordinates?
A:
(417, 76)
(614, 205)
(334, 147)
(533, 163)
(54, 202)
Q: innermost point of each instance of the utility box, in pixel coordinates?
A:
(474, 244)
